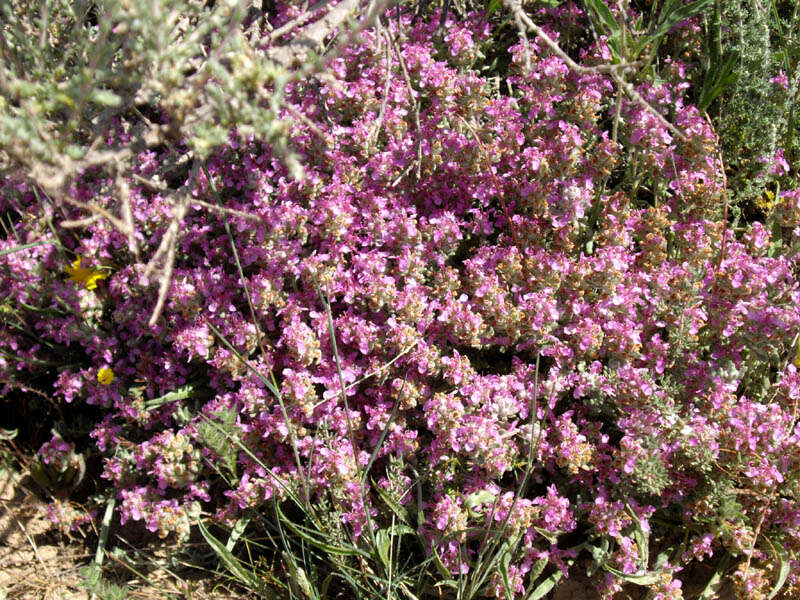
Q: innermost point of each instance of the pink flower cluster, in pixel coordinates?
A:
(664, 339)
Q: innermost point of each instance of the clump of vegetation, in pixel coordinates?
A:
(402, 314)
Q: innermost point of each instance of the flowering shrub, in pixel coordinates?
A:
(480, 313)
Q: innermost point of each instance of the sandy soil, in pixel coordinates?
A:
(38, 563)
(32, 563)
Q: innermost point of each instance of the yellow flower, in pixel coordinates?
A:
(797, 357)
(86, 277)
(105, 376)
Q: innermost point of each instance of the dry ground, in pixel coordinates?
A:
(38, 563)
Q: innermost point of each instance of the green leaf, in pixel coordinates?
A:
(783, 559)
(605, 20)
(397, 508)
(237, 531)
(710, 591)
(777, 237)
(8, 434)
(537, 568)
(298, 576)
(604, 14)
(269, 384)
(181, 393)
(717, 79)
(384, 541)
(642, 538)
(26, 246)
(541, 590)
(105, 97)
(476, 498)
(670, 18)
(663, 558)
(306, 535)
(505, 562)
(445, 573)
(599, 556)
(400, 529)
(323, 589)
(451, 583)
(236, 568)
(549, 536)
(644, 579)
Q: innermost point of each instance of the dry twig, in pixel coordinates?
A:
(613, 70)
(165, 254)
(415, 103)
(376, 127)
(311, 37)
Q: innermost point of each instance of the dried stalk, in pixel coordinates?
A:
(613, 70)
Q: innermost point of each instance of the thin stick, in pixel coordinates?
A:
(124, 192)
(27, 537)
(283, 29)
(168, 244)
(308, 122)
(613, 70)
(85, 222)
(414, 102)
(383, 367)
(376, 128)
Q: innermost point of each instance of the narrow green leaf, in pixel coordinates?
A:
(505, 562)
(385, 430)
(106, 98)
(181, 393)
(493, 7)
(237, 531)
(718, 77)
(550, 537)
(26, 246)
(8, 434)
(329, 548)
(605, 16)
(669, 19)
(440, 566)
(397, 508)
(298, 575)
(270, 385)
(236, 568)
(384, 541)
(710, 591)
(541, 590)
(537, 568)
(404, 588)
(100, 553)
(323, 589)
(642, 538)
(783, 573)
(639, 579)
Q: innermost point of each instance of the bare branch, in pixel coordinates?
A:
(376, 128)
(613, 70)
(311, 38)
(519, 14)
(411, 99)
(165, 254)
(85, 222)
(636, 96)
